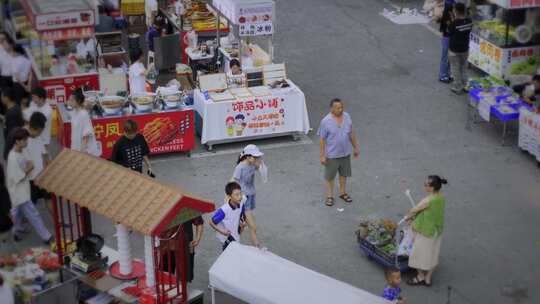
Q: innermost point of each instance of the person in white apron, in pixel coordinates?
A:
(137, 74)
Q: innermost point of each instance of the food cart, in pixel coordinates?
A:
(505, 41)
(264, 103)
(81, 183)
(166, 130)
(63, 55)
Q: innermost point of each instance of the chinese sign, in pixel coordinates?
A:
(253, 18)
(47, 15)
(529, 132)
(67, 34)
(164, 132)
(516, 3)
(501, 62)
(283, 112)
(59, 89)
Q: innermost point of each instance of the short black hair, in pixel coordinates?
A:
(536, 78)
(10, 93)
(78, 95)
(334, 100)
(389, 271)
(460, 7)
(40, 92)
(37, 121)
(234, 62)
(136, 54)
(17, 48)
(230, 187)
(130, 126)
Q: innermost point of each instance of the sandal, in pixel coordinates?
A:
(416, 282)
(345, 197)
(329, 201)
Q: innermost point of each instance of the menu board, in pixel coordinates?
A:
(59, 14)
(254, 18)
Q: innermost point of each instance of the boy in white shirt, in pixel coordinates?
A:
(227, 221)
(37, 153)
(40, 104)
(19, 170)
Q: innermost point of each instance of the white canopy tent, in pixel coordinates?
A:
(261, 277)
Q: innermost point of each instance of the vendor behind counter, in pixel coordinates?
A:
(529, 91)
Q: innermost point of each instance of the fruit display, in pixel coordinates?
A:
(484, 83)
(495, 31)
(380, 233)
(526, 67)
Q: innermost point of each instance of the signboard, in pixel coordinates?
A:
(59, 14)
(502, 62)
(282, 112)
(59, 89)
(67, 34)
(529, 132)
(164, 132)
(516, 3)
(254, 18)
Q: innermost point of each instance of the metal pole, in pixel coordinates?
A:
(213, 295)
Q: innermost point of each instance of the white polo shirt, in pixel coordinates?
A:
(228, 217)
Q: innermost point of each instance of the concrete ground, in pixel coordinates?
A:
(409, 126)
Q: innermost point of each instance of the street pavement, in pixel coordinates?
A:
(409, 126)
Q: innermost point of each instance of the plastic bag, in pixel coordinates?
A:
(263, 170)
(407, 241)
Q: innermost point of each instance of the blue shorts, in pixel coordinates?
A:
(250, 202)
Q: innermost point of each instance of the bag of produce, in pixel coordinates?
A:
(407, 240)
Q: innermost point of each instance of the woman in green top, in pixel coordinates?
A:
(427, 220)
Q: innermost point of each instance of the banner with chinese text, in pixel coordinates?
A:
(529, 132)
(258, 116)
(165, 132)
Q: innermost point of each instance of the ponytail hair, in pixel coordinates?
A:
(436, 182)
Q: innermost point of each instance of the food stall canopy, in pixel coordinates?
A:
(260, 277)
(129, 198)
(516, 4)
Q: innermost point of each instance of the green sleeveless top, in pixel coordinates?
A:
(430, 221)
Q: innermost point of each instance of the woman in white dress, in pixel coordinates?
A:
(82, 131)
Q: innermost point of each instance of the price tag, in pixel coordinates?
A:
(484, 109)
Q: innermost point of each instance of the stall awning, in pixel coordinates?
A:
(139, 202)
(261, 277)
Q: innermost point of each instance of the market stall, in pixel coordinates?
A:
(278, 280)
(505, 41)
(16, 23)
(133, 202)
(529, 132)
(194, 22)
(165, 123)
(63, 55)
(36, 276)
(257, 101)
(498, 103)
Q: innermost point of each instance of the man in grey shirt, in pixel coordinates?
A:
(338, 141)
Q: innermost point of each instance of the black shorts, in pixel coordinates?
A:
(36, 193)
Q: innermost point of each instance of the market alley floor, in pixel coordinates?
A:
(409, 126)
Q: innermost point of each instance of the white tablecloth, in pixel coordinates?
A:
(529, 132)
(284, 111)
(261, 277)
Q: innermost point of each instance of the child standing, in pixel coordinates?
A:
(226, 220)
(244, 173)
(392, 291)
(19, 169)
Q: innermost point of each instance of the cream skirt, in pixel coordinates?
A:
(425, 252)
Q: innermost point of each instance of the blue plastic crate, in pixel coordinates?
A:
(503, 116)
(382, 258)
